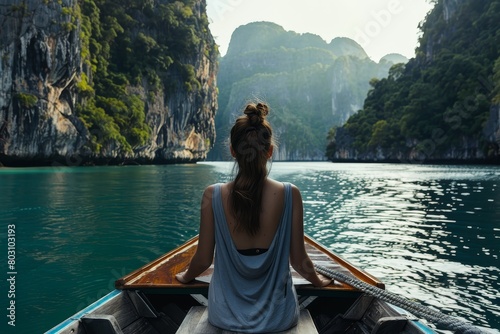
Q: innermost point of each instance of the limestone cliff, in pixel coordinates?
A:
(40, 62)
(47, 76)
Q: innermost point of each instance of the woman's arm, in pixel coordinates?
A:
(299, 259)
(203, 257)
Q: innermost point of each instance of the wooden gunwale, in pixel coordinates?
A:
(160, 273)
(358, 273)
(178, 259)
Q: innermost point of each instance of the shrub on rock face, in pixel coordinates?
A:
(26, 100)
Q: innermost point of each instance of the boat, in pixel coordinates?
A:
(150, 300)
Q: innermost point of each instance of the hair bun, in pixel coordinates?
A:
(256, 113)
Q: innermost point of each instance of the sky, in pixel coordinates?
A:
(379, 26)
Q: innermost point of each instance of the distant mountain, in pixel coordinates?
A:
(309, 84)
(394, 58)
(444, 104)
(343, 46)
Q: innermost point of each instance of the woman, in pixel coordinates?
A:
(256, 225)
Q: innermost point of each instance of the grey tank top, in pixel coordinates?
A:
(252, 294)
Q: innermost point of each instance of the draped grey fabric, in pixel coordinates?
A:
(252, 294)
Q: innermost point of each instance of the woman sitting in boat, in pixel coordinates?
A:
(256, 226)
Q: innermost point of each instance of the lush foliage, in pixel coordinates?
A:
(134, 43)
(442, 97)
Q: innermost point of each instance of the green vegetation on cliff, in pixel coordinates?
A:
(134, 43)
(437, 105)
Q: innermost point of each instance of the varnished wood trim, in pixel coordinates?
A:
(160, 273)
(358, 273)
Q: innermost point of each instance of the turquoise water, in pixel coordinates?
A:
(431, 233)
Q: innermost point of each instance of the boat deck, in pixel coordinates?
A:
(159, 275)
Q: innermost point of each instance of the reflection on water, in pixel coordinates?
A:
(431, 233)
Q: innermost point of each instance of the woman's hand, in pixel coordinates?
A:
(325, 281)
(180, 278)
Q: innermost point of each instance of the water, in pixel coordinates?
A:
(431, 233)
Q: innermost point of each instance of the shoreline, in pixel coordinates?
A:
(16, 162)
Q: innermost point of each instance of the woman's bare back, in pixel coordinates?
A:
(273, 198)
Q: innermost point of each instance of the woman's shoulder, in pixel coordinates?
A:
(209, 190)
(282, 185)
(221, 184)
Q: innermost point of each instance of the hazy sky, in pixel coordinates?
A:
(379, 26)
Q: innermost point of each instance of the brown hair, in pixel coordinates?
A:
(251, 140)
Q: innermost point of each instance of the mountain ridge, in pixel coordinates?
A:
(309, 84)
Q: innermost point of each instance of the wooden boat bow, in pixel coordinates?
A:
(151, 300)
(160, 273)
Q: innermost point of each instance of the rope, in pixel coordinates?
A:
(419, 310)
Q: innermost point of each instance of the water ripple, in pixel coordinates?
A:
(429, 232)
